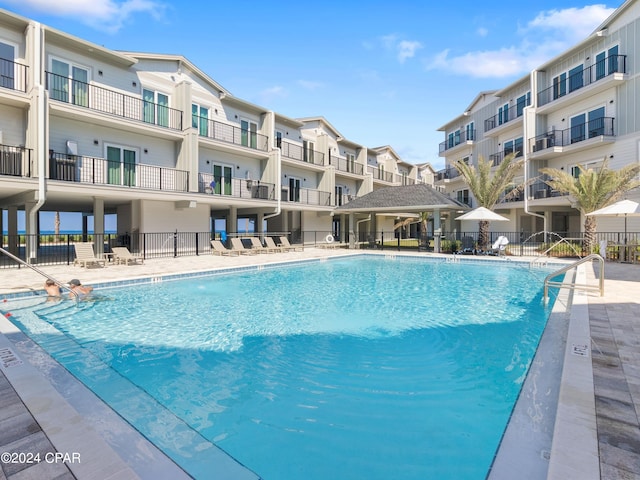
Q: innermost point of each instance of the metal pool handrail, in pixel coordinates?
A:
(548, 283)
(37, 270)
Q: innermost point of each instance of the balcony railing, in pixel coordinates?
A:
(81, 169)
(503, 117)
(603, 126)
(540, 189)
(297, 152)
(235, 187)
(15, 161)
(13, 75)
(233, 134)
(345, 165)
(457, 139)
(497, 158)
(598, 71)
(380, 174)
(404, 180)
(446, 174)
(64, 89)
(307, 196)
(343, 199)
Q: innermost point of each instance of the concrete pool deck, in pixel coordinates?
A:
(35, 416)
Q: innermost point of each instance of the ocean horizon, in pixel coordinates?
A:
(62, 232)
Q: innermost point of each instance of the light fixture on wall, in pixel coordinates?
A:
(96, 142)
(146, 150)
(134, 84)
(100, 73)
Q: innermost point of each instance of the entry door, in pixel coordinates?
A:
(294, 189)
(7, 65)
(121, 166)
(222, 177)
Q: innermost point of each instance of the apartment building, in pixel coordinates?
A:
(156, 141)
(578, 108)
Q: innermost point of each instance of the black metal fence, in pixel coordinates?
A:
(51, 249)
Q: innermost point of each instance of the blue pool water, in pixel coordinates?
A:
(349, 368)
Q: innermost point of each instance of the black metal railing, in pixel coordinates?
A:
(233, 134)
(446, 174)
(456, 139)
(503, 117)
(307, 196)
(343, 199)
(235, 187)
(81, 169)
(497, 158)
(301, 154)
(346, 165)
(598, 127)
(54, 249)
(93, 97)
(404, 180)
(598, 71)
(13, 75)
(540, 189)
(15, 161)
(379, 174)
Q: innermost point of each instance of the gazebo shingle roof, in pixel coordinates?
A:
(408, 198)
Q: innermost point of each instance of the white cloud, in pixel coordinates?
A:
(547, 35)
(310, 85)
(483, 32)
(106, 15)
(403, 49)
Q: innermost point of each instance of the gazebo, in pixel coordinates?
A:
(408, 199)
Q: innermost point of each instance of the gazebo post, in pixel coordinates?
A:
(437, 230)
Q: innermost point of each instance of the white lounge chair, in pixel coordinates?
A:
(85, 255)
(284, 242)
(499, 246)
(270, 244)
(258, 247)
(220, 249)
(123, 255)
(236, 245)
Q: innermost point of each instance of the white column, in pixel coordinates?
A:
(98, 226)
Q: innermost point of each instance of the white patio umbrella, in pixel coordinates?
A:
(623, 208)
(482, 214)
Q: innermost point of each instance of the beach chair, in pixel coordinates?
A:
(218, 248)
(85, 255)
(499, 247)
(271, 245)
(258, 247)
(284, 242)
(123, 255)
(237, 246)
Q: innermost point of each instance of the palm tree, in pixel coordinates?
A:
(487, 188)
(593, 189)
(423, 218)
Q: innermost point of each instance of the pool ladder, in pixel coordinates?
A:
(600, 287)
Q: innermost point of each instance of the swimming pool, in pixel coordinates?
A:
(348, 368)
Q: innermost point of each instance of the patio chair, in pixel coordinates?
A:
(270, 244)
(284, 242)
(468, 246)
(123, 255)
(85, 255)
(258, 247)
(218, 248)
(237, 246)
(499, 247)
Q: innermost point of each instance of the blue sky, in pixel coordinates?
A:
(382, 73)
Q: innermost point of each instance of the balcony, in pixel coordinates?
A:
(345, 165)
(300, 154)
(15, 161)
(497, 158)
(461, 138)
(307, 196)
(13, 75)
(343, 199)
(404, 180)
(379, 174)
(446, 174)
(100, 171)
(218, 185)
(92, 97)
(233, 134)
(539, 190)
(503, 118)
(578, 137)
(615, 66)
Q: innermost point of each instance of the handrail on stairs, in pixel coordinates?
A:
(37, 270)
(594, 256)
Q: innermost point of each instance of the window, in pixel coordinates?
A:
(465, 160)
(7, 65)
(248, 134)
(121, 166)
(351, 162)
(463, 196)
(294, 189)
(577, 128)
(576, 79)
(613, 60)
(589, 125)
(200, 119)
(339, 190)
(600, 66)
(155, 107)
(278, 139)
(560, 85)
(222, 178)
(521, 102)
(596, 122)
(69, 83)
(518, 146)
(503, 114)
(470, 131)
